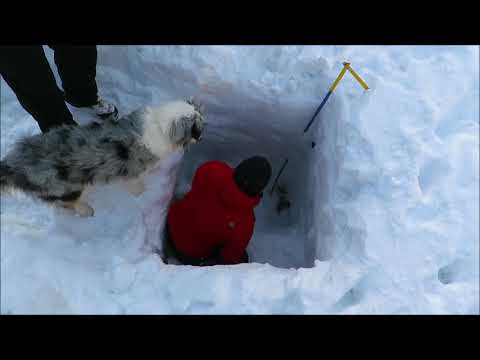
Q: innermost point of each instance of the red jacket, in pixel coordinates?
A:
(215, 213)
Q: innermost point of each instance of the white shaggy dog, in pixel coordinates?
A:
(57, 166)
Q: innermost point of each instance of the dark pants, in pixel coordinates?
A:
(170, 250)
(26, 70)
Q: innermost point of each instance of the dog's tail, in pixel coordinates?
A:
(6, 176)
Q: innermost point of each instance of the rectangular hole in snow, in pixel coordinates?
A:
(288, 239)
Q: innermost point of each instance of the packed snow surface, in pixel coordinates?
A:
(385, 208)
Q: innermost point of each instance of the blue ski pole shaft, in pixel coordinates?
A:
(318, 110)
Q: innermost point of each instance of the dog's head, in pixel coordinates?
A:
(176, 123)
(187, 123)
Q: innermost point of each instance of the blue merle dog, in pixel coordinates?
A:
(57, 166)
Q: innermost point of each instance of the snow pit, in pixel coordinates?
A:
(280, 239)
(384, 216)
(289, 238)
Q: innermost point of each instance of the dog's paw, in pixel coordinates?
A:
(83, 209)
(136, 187)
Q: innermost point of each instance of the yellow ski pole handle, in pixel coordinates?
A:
(339, 77)
(356, 76)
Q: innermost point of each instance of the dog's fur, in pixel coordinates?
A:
(57, 166)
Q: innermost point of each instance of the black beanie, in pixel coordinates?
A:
(252, 175)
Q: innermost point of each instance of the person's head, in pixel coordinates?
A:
(252, 175)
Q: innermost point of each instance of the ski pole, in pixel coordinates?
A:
(330, 91)
(278, 176)
(346, 66)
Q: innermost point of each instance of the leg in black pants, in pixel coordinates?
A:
(77, 66)
(26, 70)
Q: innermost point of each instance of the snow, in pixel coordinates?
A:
(385, 208)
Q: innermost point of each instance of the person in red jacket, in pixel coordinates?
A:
(214, 221)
